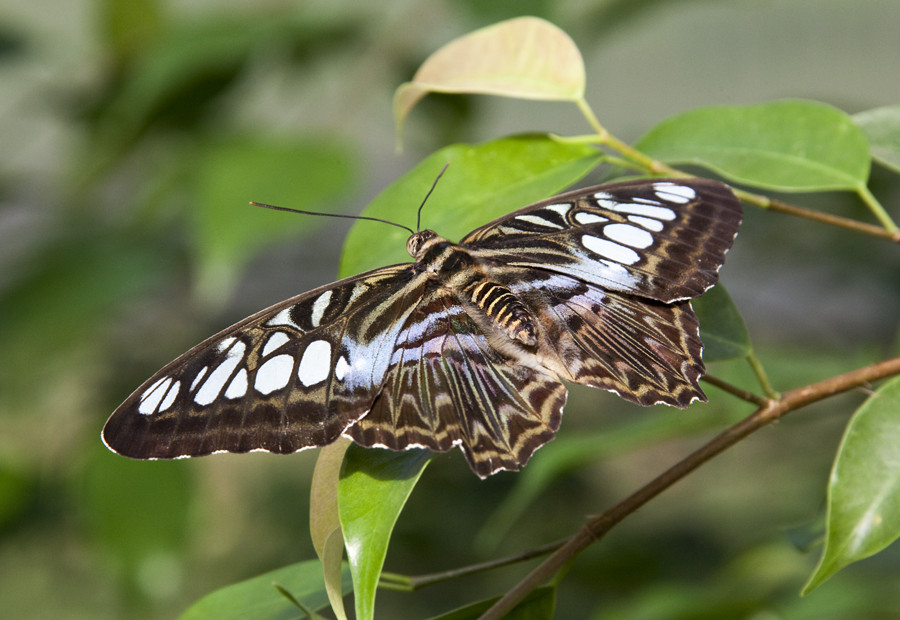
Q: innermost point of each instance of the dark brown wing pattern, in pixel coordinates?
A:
(659, 239)
(291, 377)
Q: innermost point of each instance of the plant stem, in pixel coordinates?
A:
(393, 581)
(597, 527)
(762, 377)
(825, 218)
(750, 397)
(607, 139)
(877, 209)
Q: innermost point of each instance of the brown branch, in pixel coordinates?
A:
(598, 526)
(780, 206)
(750, 397)
(408, 584)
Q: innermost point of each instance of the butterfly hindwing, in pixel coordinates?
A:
(288, 378)
(646, 351)
(449, 386)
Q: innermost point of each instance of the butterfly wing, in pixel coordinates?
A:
(662, 239)
(398, 357)
(609, 272)
(288, 378)
(449, 386)
(646, 351)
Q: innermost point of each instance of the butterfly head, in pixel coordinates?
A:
(419, 243)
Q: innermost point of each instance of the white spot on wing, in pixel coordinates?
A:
(171, 395)
(538, 221)
(319, 307)
(646, 222)
(341, 368)
(275, 340)
(672, 192)
(199, 376)
(629, 235)
(238, 385)
(315, 363)
(274, 374)
(213, 385)
(358, 289)
(283, 318)
(657, 213)
(562, 208)
(153, 395)
(582, 217)
(610, 249)
(619, 275)
(227, 342)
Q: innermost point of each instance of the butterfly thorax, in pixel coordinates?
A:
(470, 279)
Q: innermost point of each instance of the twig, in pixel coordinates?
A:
(597, 527)
(392, 581)
(750, 397)
(779, 206)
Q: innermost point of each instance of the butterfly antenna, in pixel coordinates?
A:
(349, 217)
(433, 185)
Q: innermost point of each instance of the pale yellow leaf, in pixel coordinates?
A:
(524, 57)
(324, 523)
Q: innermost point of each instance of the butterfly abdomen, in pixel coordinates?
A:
(505, 309)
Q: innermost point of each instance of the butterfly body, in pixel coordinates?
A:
(465, 346)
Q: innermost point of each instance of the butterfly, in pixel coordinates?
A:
(466, 346)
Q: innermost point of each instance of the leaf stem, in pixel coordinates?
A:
(779, 206)
(595, 528)
(762, 377)
(877, 209)
(750, 397)
(394, 581)
(607, 139)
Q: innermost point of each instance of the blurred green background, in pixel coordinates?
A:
(133, 134)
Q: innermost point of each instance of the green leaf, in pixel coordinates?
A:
(482, 182)
(524, 57)
(882, 128)
(538, 605)
(129, 26)
(863, 514)
(782, 146)
(258, 598)
(235, 171)
(374, 487)
(324, 520)
(722, 328)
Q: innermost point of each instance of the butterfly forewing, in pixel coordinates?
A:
(288, 378)
(663, 240)
(468, 345)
